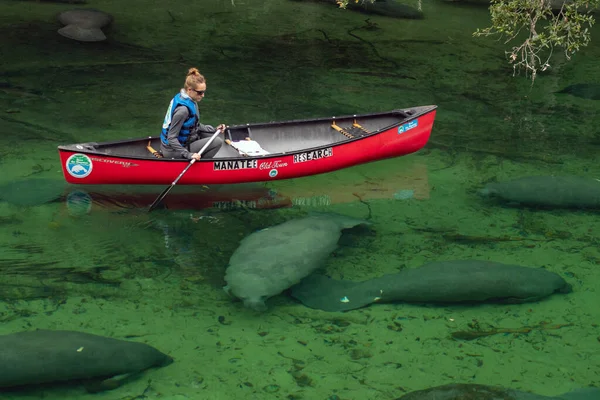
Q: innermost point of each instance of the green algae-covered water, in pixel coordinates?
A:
(92, 259)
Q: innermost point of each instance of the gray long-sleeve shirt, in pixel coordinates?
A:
(174, 148)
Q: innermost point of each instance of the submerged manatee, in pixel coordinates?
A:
(435, 282)
(467, 391)
(32, 192)
(271, 260)
(547, 191)
(45, 356)
(589, 91)
(388, 8)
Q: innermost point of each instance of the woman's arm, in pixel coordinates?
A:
(179, 116)
(206, 128)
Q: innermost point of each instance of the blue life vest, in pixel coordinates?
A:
(188, 124)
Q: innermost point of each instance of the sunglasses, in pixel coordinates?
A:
(199, 92)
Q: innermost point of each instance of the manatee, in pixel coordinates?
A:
(469, 391)
(461, 281)
(589, 393)
(387, 8)
(48, 356)
(32, 192)
(547, 191)
(589, 91)
(271, 260)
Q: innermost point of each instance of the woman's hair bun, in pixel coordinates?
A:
(193, 71)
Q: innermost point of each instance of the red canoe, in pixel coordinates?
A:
(257, 152)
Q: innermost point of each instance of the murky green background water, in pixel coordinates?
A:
(110, 268)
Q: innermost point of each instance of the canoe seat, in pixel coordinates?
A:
(351, 132)
(247, 147)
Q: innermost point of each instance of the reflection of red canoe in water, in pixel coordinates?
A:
(392, 180)
(397, 179)
(83, 200)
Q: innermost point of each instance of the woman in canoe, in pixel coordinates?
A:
(182, 134)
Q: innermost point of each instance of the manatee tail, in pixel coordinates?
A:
(324, 293)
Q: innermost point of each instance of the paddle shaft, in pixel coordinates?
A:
(168, 189)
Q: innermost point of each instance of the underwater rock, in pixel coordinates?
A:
(271, 260)
(47, 356)
(442, 282)
(80, 34)
(547, 191)
(84, 25)
(87, 17)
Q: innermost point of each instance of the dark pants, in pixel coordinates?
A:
(195, 147)
(212, 148)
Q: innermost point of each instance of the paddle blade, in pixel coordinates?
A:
(160, 197)
(167, 190)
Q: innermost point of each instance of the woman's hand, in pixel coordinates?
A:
(196, 156)
(222, 127)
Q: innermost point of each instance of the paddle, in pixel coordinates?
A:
(168, 189)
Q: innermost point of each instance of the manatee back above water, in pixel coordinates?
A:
(271, 260)
(548, 191)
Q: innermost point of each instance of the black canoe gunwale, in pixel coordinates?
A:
(408, 114)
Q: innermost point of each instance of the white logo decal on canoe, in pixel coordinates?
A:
(231, 165)
(273, 173)
(408, 126)
(79, 165)
(313, 155)
(272, 164)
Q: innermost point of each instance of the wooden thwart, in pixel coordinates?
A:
(356, 130)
